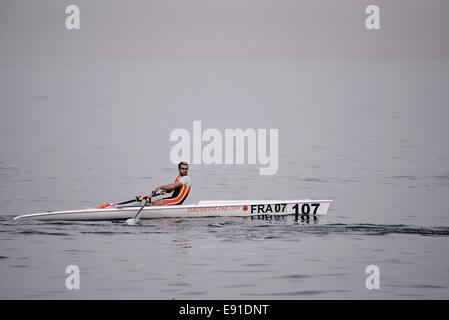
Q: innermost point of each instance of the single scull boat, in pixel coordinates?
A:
(234, 208)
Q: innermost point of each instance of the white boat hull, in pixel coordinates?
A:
(240, 208)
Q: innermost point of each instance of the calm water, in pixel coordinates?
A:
(371, 135)
(222, 259)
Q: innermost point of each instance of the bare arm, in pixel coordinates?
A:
(169, 187)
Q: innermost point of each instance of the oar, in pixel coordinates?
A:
(126, 202)
(135, 220)
(107, 204)
(136, 199)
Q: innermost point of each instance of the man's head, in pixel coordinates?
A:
(183, 168)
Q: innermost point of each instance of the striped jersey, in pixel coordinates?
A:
(180, 193)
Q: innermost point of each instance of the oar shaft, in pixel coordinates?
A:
(141, 208)
(126, 202)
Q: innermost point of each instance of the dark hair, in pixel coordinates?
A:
(182, 163)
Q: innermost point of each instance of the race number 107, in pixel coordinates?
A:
(306, 208)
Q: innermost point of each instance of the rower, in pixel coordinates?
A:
(180, 188)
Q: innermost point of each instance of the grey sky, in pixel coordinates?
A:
(227, 29)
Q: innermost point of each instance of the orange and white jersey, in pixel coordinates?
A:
(180, 193)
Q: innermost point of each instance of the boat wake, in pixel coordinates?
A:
(297, 229)
(375, 229)
(261, 227)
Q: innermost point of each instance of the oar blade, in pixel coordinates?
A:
(132, 222)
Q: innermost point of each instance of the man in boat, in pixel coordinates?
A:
(180, 188)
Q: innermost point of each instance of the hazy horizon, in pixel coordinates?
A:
(286, 29)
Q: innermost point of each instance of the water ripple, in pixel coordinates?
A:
(230, 229)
